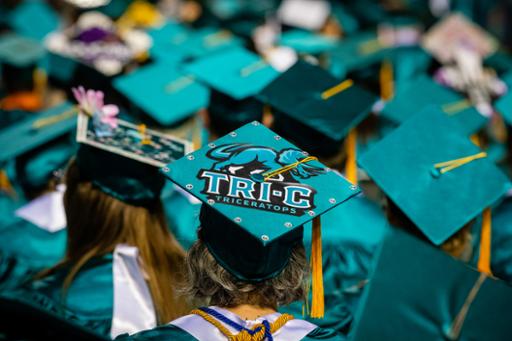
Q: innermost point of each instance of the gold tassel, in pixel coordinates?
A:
(351, 152)
(268, 118)
(317, 285)
(40, 81)
(386, 81)
(484, 260)
(5, 184)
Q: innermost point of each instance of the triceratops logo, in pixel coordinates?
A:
(239, 177)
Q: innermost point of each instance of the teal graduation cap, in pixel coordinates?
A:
(19, 51)
(504, 104)
(319, 112)
(167, 40)
(423, 91)
(309, 42)
(434, 174)
(164, 92)
(357, 52)
(235, 72)
(36, 130)
(33, 19)
(258, 190)
(426, 295)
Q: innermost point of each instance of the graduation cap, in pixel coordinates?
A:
(461, 305)
(434, 174)
(357, 52)
(167, 40)
(165, 93)
(18, 51)
(306, 14)
(235, 77)
(307, 42)
(317, 114)
(423, 91)
(258, 190)
(33, 19)
(120, 158)
(36, 130)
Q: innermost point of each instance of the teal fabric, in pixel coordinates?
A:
(236, 72)
(20, 51)
(174, 333)
(34, 19)
(307, 42)
(408, 63)
(166, 41)
(168, 95)
(26, 249)
(422, 92)
(501, 256)
(89, 301)
(421, 292)
(182, 216)
(411, 181)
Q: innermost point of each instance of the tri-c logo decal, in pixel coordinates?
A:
(237, 178)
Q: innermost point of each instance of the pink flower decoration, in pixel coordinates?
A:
(91, 103)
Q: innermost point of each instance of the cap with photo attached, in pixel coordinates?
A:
(317, 114)
(461, 305)
(235, 77)
(424, 91)
(258, 190)
(119, 158)
(436, 175)
(163, 92)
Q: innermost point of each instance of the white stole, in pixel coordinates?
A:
(203, 330)
(133, 307)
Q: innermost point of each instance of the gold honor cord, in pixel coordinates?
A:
(456, 327)
(253, 67)
(337, 89)
(456, 107)
(54, 119)
(452, 164)
(179, 84)
(271, 174)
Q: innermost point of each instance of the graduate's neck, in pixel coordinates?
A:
(250, 312)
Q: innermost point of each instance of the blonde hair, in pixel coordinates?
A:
(98, 222)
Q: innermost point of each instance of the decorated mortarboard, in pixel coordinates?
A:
(424, 91)
(306, 14)
(454, 32)
(258, 190)
(434, 174)
(19, 51)
(236, 72)
(120, 158)
(307, 42)
(321, 110)
(463, 304)
(36, 130)
(33, 19)
(357, 52)
(163, 92)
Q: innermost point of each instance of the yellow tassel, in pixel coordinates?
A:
(351, 151)
(40, 81)
(317, 285)
(386, 81)
(268, 117)
(5, 184)
(484, 261)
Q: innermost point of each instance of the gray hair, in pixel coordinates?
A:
(210, 283)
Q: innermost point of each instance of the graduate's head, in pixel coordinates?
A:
(258, 192)
(436, 180)
(316, 115)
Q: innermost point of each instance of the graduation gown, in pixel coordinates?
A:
(501, 256)
(193, 327)
(350, 235)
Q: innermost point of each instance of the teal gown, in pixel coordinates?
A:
(501, 243)
(89, 300)
(26, 249)
(350, 234)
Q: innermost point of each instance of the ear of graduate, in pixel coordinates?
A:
(222, 170)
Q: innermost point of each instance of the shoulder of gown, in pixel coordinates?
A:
(167, 332)
(324, 334)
